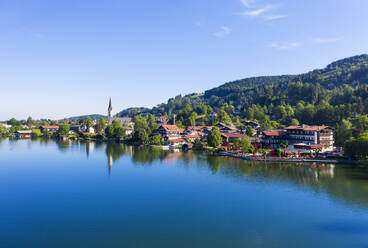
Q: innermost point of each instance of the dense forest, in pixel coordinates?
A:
(328, 95)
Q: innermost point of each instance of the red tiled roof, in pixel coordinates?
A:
(50, 127)
(195, 128)
(172, 128)
(232, 135)
(178, 140)
(274, 133)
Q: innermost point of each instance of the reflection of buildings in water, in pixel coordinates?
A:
(109, 163)
(299, 173)
(89, 148)
(114, 152)
(172, 157)
(313, 173)
(322, 171)
(327, 172)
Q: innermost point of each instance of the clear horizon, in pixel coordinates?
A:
(63, 59)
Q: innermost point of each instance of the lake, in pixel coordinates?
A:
(61, 194)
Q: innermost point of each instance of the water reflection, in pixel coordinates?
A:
(345, 183)
(113, 152)
(146, 156)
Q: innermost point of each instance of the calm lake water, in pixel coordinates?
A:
(56, 194)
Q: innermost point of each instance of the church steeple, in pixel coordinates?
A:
(109, 111)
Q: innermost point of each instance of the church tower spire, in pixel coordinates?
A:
(109, 112)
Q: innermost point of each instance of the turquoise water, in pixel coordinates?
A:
(110, 195)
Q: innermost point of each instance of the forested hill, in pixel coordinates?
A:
(291, 89)
(325, 96)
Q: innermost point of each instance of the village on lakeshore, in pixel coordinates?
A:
(246, 140)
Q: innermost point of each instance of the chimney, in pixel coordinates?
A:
(174, 119)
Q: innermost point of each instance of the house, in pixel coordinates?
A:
(192, 137)
(23, 134)
(176, 142)
(253, 124)
(273, 138)
(198, 130)
(129, 131)
(194, 129)
(230, 137)
(171, 134)
(169, 130)
(302, 137)
(162, 120)
(89, 130)
(311, 135)
(227, 128)
(49, 128)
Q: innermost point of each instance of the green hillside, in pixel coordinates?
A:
(312, 87)
(336, 95)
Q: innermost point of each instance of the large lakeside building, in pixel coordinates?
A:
(300, 137)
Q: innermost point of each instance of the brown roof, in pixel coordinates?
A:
(274, 133)
(50, 127)
(307, 128)
(172, 128)
(199, 128)
(228, 125)
(232, 135)
(177, 140)
(195, 128)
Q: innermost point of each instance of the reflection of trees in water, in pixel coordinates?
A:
(347, 183)
(214, 163)
(115, 150)
(63, 146)
(2, 139)
(147, 155)
(350, 184)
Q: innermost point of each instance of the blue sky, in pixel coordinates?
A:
(65, 58)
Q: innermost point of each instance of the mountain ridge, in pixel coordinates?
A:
(350, 71)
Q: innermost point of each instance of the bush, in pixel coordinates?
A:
(198, 145)
(36, 133)
(155, 140)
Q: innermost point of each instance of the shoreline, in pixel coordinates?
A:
(290, 160)
(218, 153)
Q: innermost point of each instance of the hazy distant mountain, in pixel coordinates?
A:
(93, 116)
